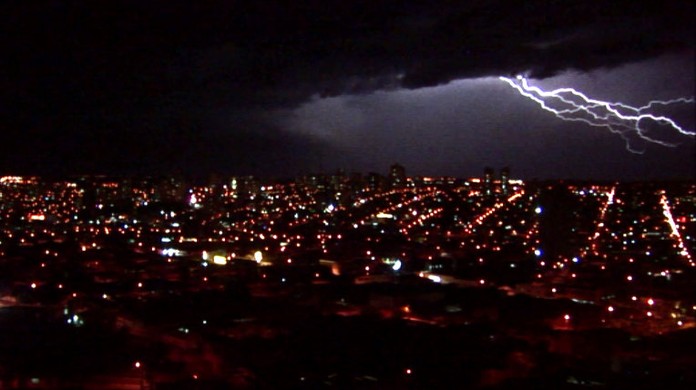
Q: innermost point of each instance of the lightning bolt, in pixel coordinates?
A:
(570, 104)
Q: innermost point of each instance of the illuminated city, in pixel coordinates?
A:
(213, 283)
(343, 194)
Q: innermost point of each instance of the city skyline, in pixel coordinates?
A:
(368, 194)
(383, 282)
(284, 89)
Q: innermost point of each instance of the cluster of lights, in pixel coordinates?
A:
(259, 222)
(667, 212)
(591, 244)
(479, 220)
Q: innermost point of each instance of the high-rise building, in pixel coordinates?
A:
(505, 180)
(243, 186)
(488, 181)
(376, 182)
(397, 176)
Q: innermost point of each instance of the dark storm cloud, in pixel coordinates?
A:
(105, 73)
(278, 51)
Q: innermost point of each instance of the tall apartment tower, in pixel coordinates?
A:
(488, 181)
(397, 176)
(505, 180)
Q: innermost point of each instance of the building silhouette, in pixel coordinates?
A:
(397, 176)
(488, 181)
(505, 181)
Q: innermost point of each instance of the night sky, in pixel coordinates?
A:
(279, 88)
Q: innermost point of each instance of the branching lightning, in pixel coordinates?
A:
(628, 121)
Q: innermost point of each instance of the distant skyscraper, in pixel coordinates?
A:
(376, 182)
(245, 185)
(397, 176)
(488, 181)
(339, 181)
(356, 181)
(505, 180)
